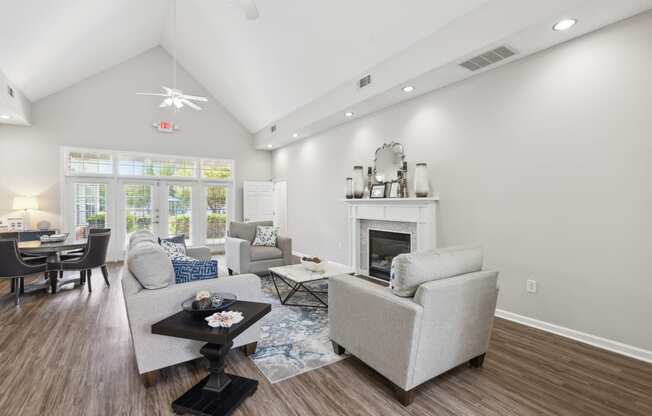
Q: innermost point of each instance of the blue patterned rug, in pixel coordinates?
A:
(293, 340)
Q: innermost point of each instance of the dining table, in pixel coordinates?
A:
(52, 252)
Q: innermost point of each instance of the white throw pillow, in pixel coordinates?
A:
(409, 271)
(266, 235)
(173, 250)
(151, 266)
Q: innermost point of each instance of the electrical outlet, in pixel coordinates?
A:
(531, 286)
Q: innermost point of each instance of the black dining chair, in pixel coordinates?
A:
(93, 256)
(13, 266)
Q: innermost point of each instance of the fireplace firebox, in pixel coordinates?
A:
(383, 247)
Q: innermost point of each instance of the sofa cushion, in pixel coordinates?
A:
(266, 236)
(188, 270)
(150, 265)
(140, 236)
(173, 250)
(243, 231)
(177, 239)
(265, 253)
(411, 270)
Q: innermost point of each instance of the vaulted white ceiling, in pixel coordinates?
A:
(296, 64)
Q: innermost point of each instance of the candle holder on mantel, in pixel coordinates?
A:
(349, 188)
(421, 186)
(358, 182)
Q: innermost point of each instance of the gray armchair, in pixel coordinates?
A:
(243, 257)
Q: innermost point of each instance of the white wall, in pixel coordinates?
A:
(546, 162)
(103, 111)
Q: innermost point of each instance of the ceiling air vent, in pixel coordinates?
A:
(364, 81)
(488, 58)
(273, 128)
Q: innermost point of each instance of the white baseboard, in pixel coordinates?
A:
(599, 342)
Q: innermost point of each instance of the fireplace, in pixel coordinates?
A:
(383, 247)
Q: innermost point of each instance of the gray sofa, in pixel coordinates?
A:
(437, 314)
(243, 257)
(147, 306)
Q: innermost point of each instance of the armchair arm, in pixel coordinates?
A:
(285, 245)
(376, 326)
(199, 252)
(238, 254)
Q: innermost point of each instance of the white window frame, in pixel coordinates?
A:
(115, 180)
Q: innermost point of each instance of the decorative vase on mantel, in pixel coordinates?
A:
(421, 187)
(358, 182)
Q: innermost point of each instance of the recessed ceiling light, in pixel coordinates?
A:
(349, 114)
(5, 116)
(564, 24)
(408, 88)
(269, 146)
(295, 135)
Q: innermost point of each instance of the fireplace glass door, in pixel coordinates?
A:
(383, 247)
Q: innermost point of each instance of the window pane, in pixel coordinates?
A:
(138, 207)
(179, 210)
(90, 205)
(156, 167)
(216, 214)
(216, 169)
(89, 162)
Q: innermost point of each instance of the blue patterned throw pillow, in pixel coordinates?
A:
(187, 269)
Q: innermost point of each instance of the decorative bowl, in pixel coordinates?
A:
(314, 267)
(54, 238)
(227, 299)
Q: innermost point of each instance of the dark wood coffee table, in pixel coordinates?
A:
(219, 393)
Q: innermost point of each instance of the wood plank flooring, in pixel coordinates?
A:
(71, 354)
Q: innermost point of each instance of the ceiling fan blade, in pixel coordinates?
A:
(190, 104)
(152, 93)
(166, 103)
(250, 9)
(194, 97)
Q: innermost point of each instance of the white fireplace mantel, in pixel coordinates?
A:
(420, 211)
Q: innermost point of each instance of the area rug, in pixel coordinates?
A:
(293, 340)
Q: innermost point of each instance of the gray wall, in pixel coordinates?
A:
(546, 162)
(104, 112)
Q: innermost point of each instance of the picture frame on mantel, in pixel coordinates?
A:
(377, 191)
(393, 190)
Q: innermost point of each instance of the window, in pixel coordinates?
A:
(180, 210)
(153, 166)
(216, 213)
(216, 169)
(90, 205)
(94, 163)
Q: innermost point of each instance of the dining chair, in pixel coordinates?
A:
(13, 266)
(93, 256)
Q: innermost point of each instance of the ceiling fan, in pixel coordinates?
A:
(173, 96)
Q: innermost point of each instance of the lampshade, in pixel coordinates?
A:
(25, 202)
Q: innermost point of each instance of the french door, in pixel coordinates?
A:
(199, 210)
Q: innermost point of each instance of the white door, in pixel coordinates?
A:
(280, 207)
(258, 201)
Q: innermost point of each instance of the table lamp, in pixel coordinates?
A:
(25, 203)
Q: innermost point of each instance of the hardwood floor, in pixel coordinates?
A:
(71, 354)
